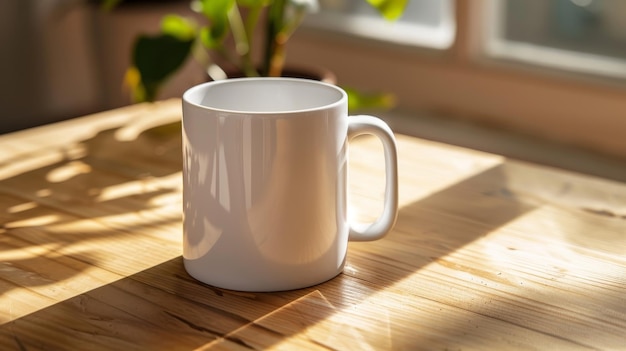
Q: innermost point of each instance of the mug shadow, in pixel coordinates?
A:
(433, 227)
(162, 307)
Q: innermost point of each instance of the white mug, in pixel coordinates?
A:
(264, 182)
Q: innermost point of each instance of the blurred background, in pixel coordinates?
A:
(508, 76)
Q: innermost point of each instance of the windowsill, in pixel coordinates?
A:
(550, 105)
(509, 144)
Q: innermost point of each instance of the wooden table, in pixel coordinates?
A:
(488, 253)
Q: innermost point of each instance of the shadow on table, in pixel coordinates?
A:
(446, 221)
(47, 199)
(163, 308)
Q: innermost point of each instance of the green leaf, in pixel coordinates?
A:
(156, 57)
(179, 27)
(253, 3)
(210, 39)
(216, 11)
(389, 9)
(359, 100)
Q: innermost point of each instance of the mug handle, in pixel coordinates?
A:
(360, 125)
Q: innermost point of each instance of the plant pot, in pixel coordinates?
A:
(306, 72)
(320, 74)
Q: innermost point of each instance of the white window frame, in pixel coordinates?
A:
(400, 32)
(463, 83)
(498, 48)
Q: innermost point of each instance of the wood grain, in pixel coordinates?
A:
(487, 253)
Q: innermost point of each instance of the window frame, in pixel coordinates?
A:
(376, 28)
(536, 55)
(463, 83)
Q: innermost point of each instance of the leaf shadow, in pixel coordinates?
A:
(49, 196)
(164, 308)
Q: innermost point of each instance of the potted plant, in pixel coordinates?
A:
(244, 36)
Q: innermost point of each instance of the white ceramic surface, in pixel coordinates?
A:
(264, 182)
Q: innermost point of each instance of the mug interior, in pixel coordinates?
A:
(265, 95)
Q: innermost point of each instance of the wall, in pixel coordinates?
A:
(66, 58)
(47, 63)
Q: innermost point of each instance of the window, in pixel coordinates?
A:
(549, 69)
(428, 23)
(579, 35)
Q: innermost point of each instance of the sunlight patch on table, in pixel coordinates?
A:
(155, 115)
(432, 168)
(68, 171)
(22, 253)
(169, 183)
(312, 321)
(22, 207)
(33, 222)
(20, 163)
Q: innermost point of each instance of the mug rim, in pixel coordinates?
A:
(342, 100)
